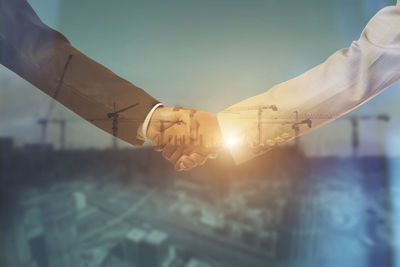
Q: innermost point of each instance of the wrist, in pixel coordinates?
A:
(154, 118)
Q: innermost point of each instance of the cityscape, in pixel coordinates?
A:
(67, 201)
(63, 207)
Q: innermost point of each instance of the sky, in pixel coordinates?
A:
(205, 54)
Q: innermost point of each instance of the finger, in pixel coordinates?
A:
(184, 169)
(187, 169)
(168, 150)
(202, 151)
(176, 155)
(157, 148)
(199, 159)
(181, 167)
(188, 163)
(184, 163)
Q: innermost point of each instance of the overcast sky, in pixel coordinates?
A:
(205, 54)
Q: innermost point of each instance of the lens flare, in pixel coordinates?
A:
(231, 142)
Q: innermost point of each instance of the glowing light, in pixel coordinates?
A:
(231, 142)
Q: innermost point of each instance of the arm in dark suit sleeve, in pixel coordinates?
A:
(46, 59)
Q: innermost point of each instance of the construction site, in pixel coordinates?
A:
(108, 207)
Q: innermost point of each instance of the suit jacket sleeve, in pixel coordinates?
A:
(46, 59)
(344, 81)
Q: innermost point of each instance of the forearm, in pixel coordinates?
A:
(46, 59)
(347, 79)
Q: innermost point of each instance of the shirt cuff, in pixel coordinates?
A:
(142, 130)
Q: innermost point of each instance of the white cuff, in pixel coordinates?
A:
(142, 130)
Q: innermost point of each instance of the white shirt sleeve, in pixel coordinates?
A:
(344, 81)
(142, 130)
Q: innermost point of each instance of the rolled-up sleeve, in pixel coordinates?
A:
(344, 81)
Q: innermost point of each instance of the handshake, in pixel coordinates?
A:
(186, 137)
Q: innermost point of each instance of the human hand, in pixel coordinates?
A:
(186, 137)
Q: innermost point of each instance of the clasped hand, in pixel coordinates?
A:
(186, 137)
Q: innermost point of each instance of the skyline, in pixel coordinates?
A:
(205, 55)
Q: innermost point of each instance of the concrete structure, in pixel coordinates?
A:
(154, 249)
(131, 244)
(14, 245)
(60, 237)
